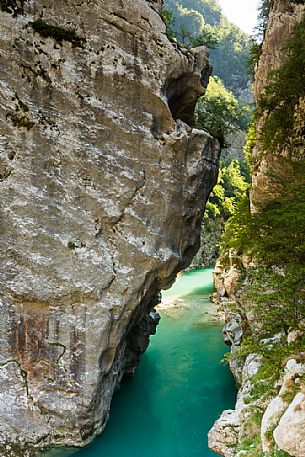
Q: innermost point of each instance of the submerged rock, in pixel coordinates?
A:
(103, 187)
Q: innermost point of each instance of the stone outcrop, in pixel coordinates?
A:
(289, 435)
(225, 432)
(103, 187)
(282, 422)
(229, 429)
(284, 415)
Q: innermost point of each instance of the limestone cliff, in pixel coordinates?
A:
(283, 16)
(269, 418)
(103, 187)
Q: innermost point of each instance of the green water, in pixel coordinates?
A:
(179, 388)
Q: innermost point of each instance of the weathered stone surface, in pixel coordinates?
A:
(282, 19)
(278, 406)
(290, 433)
(229, 429)
(102, 193)
(223, 436)
(233, 331)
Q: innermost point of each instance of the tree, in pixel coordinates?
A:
(217, 111)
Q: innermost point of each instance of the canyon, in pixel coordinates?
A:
(104, 180)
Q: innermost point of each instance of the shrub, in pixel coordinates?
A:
(59, 34)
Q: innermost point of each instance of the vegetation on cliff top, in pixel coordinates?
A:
(274, 233)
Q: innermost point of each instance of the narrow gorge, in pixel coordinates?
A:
(109, 152)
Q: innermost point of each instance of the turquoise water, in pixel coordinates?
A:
(179, 388)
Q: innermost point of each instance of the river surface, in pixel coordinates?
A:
(179, 388)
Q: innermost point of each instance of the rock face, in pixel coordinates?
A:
(290, 434)
(102, 191)
(285, 413)
(282, 19)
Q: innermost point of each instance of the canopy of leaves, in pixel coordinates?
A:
(275, 232)
(230, 57)
(231, 187)
(219, 112)
(274, 235)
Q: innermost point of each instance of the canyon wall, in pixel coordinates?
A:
(103, 187)
(269, 416)
(284, 14)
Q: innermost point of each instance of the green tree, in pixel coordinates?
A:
(209, 37)
(230, 57)
(218, 110)
(231, 187)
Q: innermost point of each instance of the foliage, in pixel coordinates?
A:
(58, 33)
(169, 21)
(274, 290)
(230, 189)
(273, 235)
(252, 445)
(264, 233)
(255, 52)
(278, 299)
(282, 95)
(250, 142)
(200, 22)
(217, 110)
(230, 57)
(197, 23)
(263, 14)
(211, 230)
(231, 186)
(207, 37)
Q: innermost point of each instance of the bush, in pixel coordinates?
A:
(58, 33)
(217, 110)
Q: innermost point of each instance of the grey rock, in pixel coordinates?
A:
(233, 331)
(102, 192)
(289, 435)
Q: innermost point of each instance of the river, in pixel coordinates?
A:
(179, 388)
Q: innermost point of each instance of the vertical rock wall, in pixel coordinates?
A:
(283, 16)
(102, 193)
